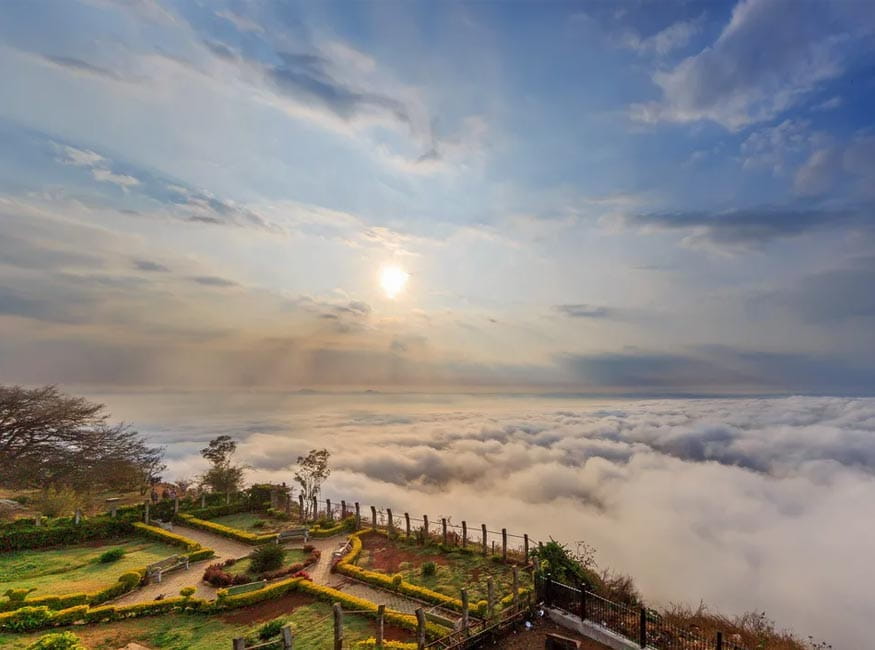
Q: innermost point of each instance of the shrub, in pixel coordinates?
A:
(267, 558)
(131, 578)
(397, 579)
(259, 524)
(57, 503)
(112, 555)
(26, 619)
(227, 531)
(217, 576)
(429, 568)
(270, 629)
(166, 536)
(59, 641)
(308, 548)
(18, 595)
(187, 592)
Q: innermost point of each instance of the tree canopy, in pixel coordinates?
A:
(49, 438)
(223, 476)
(312, 472)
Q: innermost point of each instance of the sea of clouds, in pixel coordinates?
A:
(746, 504)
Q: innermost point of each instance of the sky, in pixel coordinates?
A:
(598, 197)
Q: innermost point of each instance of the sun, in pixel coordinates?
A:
(393, 279)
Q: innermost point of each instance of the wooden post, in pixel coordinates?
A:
(407, 524)
(328, 509)
(38, 521)
(516, 588)
(504, 544)
(642, 628)
(465, 611)
(374, 517)
(719, 640)
(113, 510)
(381, 613)
(358, 516)
(227, 497)
(146, 516)
(288, 505)
(301, 506)
(425, 529)
(239, 644)
(464, 534)
(338, 627)
(288, 637)
(444, 526)
(483, 532)
(203, 499)
(315, 509)
(490, 596)
(420, 629)
(391, 521)
(583, 612)
(342, 509)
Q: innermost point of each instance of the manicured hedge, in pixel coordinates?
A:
(387, 645)
(227, 531)
(219, 511)
(166, 536)
(128, 581)
(346, 567)
(341, 527)
(32, 537)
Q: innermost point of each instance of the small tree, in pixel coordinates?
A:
(311, 474)
(223, 476)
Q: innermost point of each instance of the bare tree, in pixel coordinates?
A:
(312, 472)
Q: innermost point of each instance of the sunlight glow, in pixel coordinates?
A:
(393, 279)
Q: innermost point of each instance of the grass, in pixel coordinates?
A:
(249, 521)
(312, 623)
(292, 555)
(76, 568)
(454, 570)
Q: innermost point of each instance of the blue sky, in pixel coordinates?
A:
(632, 197)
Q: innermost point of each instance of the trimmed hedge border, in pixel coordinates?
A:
(226, 531)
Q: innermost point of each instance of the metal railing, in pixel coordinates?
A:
(643, 626)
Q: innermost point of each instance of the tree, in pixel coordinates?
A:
(311, 474)
(48, 438)
(223, 476)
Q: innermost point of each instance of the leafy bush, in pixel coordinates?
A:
(112, 555)
(187, 592)
(26, 619)
(266, 558)
(217, 576)
(397, 579)
(308, 548)
(59, 641)
(18, 595)
(481, 608)
(429, 568)
(57, 503)
(59, 533)
(270, 629)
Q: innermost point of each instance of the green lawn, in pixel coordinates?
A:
(75, 568)
(292, 556)
(253, 522)
(312, 623)
(453, 570)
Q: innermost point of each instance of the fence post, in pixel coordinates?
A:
(227, 497)
(719, 640)
(238, 644)
(338, 627)
(374, 517)
(391, 520)
(642, 628)
(548, 591)
(425, 529)
(381, 612)
(583, 611)
(483, 531)
(407, 524)
(516, 588)
(420, 629)
(146, 518)
(342, 509)
(301, 506)
(77, 516)
(328, 510)
(504, 544)
(490, 596)
(315, 509)
(358, 516)
(464, 534)
(288, 637)
(526, 547)
(465, 611)
(444, 526)
(203, 499)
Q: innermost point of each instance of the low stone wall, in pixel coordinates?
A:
(591, 630)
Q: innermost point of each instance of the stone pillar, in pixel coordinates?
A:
(328, 510)
(38, 521)
(516, 588)
(504, 544)
(407, 524)
(420, 629)
(374, 517)
(239, 644)
(391, 521)
(358, 516)
(288, 637)
(483, 539)
(381, 613)
(425, 529)
(338, 627)
(464, 534)
(203, 499)
(228, 497)
(465, 611)
(146, 516)
(490, 596)
(77, 516)
(113, 511)
(444, 530)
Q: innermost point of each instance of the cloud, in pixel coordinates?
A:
(777, 147)
(720, 499)
(122, 180)
(242, 23)
(213, 281)
(149, 266)
(99, 166)
(83, 67)
(664, 41)
(728, 83)
(584, 311)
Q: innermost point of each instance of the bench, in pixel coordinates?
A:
(166, 525)
(289, 534)
(249, 586)
(341, 550)
(167, 564)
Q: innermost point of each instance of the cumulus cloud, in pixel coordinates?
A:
(583, 311)
(665, 40)
(728, 83)
(725, 500)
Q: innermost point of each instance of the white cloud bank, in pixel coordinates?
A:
(748, 504)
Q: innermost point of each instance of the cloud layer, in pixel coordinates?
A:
(724, 500)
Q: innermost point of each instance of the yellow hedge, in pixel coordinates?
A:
(227, 531)
(166, 536)
(386, 645)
